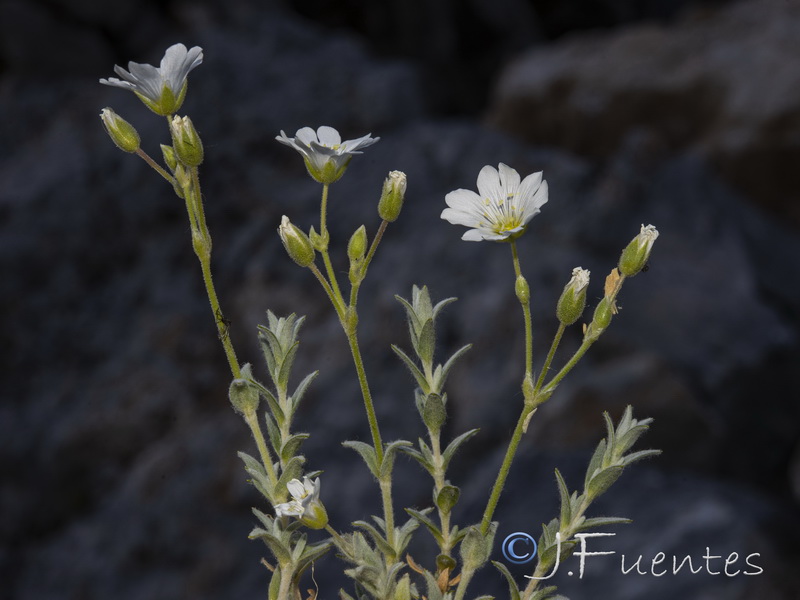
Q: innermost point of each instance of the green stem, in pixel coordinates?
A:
(337, 304)
(551, 385)
(252, 421)
(388, 512)
(352, 339)
(461, 590)
(326, 259)
(526, 313)
(497, 489)
(549, 360)
(439, 482)
(158, 168)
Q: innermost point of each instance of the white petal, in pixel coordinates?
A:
(533, 204)
(296, 489)
(357, 144)
(509, 180)
(529, 186)
(464, 200)
(289, 509)
(459, 217)
(328, 136)
(472, 235)
(489, 183)
(306, 135)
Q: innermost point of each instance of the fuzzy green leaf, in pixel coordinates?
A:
(429, 524)
(300, 390)
(419, 376)
(513, 589)
(448, 453)
(602, 481)
(367, 452)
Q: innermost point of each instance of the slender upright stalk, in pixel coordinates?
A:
(352, 339)
(513, 444)
(323, 226)
(502, 475)
(549, 360)
(526, 313)
(156, 167)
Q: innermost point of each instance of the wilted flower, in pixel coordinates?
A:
(634, 256)
(297, 244)
(122, 133)
(573, 299)
(325, 154)
(392, 196)
(502, 207)
(305, 503)
(162, 88)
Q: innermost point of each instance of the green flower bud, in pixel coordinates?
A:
(573, 299)
(243, 396)
(476, 548)
(320, 242)
(392, 196)
(357, 246)
(522, 289)
(602, 318)
(186, 141)
(634, 257)
(434, 412)
(168, 152)
(297, 244)
(121, 132)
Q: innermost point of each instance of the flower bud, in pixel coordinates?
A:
(320, 242)
(602, 318)
(434, 412)
(634, 257)
(243, 396)
(186, 141)
(297, 244)
(168, 152)
(522, 289)
(394, 191)
(357, 246)
(476, 548)
(573, 299)
(121, 132)
(314, 516)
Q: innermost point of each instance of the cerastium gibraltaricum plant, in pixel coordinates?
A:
(375, 552)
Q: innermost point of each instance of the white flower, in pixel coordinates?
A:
(162, 88)
(502, 207)
(305, 503)
(325, 154)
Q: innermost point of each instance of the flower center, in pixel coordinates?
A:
(501, 215)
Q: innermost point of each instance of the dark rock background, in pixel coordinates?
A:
(117, 445)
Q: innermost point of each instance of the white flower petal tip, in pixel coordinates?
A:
(325, 154)
(502, 208)
(161, 88)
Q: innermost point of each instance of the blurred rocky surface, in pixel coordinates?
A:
(118, 452)
(720, 83)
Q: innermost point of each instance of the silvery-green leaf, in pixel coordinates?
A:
(602, 481)
(448, 453)
(422, 381)
(422, 518)
(513, 589)
(300, 390)
(366, 452)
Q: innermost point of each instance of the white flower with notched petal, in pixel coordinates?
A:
(163, 88)
(325, 154)
(501, 209)
(305, 503)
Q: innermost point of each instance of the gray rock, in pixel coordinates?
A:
(724, 84)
